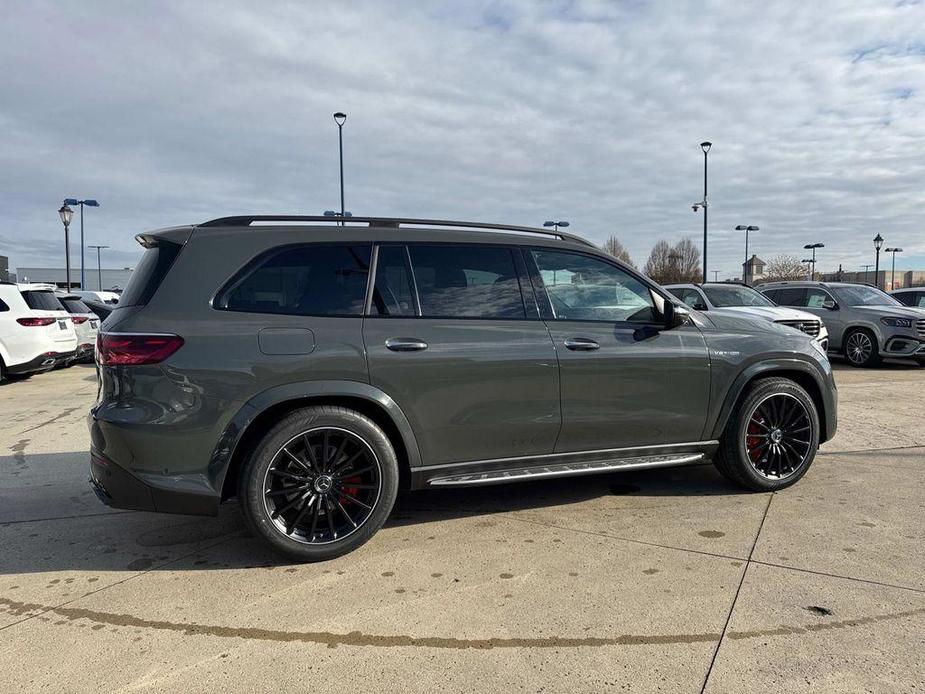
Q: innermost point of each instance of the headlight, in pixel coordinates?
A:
(897, 322)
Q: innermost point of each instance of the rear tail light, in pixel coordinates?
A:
(114, 349)
(35, 322)
(79, 320)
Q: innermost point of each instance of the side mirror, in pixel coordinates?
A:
(675, 315)
(829, 304)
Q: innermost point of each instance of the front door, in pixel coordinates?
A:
(451, 340)
(625, 380)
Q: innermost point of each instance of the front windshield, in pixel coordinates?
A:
(735, 295)
(859, 295)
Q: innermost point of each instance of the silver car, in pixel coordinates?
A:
(865, 324)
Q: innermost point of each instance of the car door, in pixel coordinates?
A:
(451, 339)
(813, 301)
(626, 381)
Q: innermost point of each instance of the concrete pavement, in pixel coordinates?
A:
(668, 580)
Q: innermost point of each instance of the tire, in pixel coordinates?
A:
(747, 452)
(301, 498)
(861, 348)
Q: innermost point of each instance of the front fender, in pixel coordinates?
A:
(306, 390)
(825, 385)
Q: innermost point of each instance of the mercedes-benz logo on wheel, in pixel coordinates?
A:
(323, 484)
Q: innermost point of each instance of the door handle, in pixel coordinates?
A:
(581, 344)
(405, 344)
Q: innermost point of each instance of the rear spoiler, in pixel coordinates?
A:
(175, 235)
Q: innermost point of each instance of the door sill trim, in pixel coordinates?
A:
(566, 470)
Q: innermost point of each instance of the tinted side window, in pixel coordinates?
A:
(790, 297)
(584, 288)
(3, 306)
(907, 298)
(921, 299)
(772, 294)
(314, 280)
(467, 282)
(148, 275)
(42, 301)
(393, 293)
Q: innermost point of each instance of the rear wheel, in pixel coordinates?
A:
(320, 483)
(771, 438)
(861, 348)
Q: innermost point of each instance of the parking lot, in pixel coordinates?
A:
(661, 580)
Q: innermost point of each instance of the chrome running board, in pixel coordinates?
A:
(566, 469)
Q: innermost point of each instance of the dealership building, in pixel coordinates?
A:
(111, 278)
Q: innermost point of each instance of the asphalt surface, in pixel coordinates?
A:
(662, 580)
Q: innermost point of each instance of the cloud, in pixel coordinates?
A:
(177, 112)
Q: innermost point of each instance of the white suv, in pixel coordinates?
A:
(740, 300)
(86, 324)
(36, 333)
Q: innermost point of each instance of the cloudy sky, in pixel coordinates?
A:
(177, 112)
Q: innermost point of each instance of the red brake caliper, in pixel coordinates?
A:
(753, 439)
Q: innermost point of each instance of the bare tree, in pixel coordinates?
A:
(613, 247)
(784, 267)
(660, 266)
(679, 263)
(688, 261)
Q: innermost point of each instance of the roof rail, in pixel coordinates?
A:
(388, 222)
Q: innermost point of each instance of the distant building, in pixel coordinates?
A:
(884, 280)
(754, 270)
(4, 269)
(112, 279)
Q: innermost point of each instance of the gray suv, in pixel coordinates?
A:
(865, 324)
(312, 370)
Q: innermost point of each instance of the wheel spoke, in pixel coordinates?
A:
(306, 507)
(287, 490)
(276, 514)
(340, 469)
(288, 475)
(355, 500)
(329, 514)
(298, 461)
(325, 437)
(344, 511)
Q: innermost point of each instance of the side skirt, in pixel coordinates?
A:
(504, 470)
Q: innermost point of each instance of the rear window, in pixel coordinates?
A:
(75, 306)
(42, 301)
(314, 280)
(149, 274)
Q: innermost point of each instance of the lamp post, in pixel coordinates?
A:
(705, 146)
(866, 272)
(894, 251)
(809, 266)
(66, 213)
(746, 229)
(556, 225)
(88, 203)
(99, 266)
(340, 118)
(715, 275)
(878, 243)
(345, 215)
(813, 247)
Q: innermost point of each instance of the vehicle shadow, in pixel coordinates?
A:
(54, 524)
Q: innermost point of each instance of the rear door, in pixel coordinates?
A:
(625, 380)
(454, 337)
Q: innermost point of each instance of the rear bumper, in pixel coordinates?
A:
(117, 487)
(42, 362)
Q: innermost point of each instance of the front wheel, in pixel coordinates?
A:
(320, 483)
(771, 438)
(861, 348)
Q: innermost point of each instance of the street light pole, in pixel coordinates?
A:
(746, 229)
(813, 247)
(99, 266)
(894, 251)
(556, 225)
(878, 242)
(66, 213)
(705, 146)
(715, 275)
(866, 272)
(88, 203)
(340, 118)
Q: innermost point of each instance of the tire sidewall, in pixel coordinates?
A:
(762, 390)
(252, 478)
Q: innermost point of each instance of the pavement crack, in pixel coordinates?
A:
(57, 417)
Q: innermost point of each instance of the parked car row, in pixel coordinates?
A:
(860, 322)
(42, 328)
